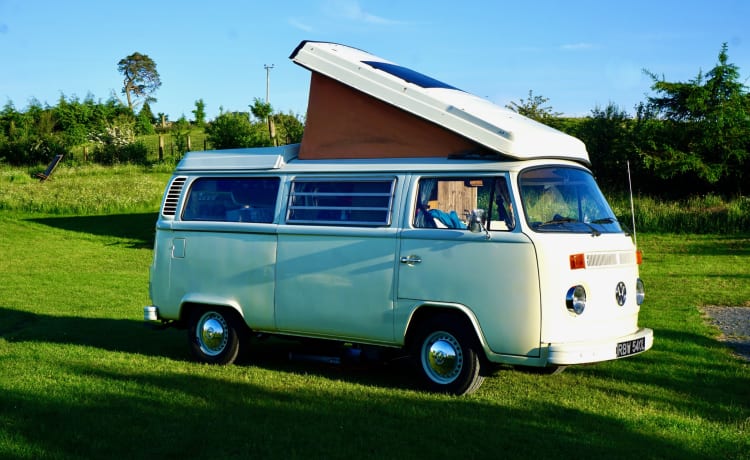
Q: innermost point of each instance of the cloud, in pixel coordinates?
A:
(353, 11)
(298, 24)
(578, 46)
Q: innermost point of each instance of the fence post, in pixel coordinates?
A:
(189, 145)
(85, 153)
(161, 147)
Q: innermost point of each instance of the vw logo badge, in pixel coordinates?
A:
(621, 293)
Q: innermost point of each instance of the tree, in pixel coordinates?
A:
(147, 113)
(534, 107)
(698, 129)
(181, 134)
(607, 134)
(200, 112)
(263, 111)
(141, 78)
(290, 127)
(234, 130)
(144, 122)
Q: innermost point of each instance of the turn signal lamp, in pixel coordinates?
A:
(639, 257)
(577, 261)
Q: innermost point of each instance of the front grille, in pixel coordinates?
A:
(610, 259)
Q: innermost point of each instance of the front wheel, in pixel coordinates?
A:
(445, 355)
(214, 336)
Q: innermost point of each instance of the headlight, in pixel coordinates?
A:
(640, 291)
(575, 299)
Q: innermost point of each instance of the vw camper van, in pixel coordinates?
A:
(412, 216)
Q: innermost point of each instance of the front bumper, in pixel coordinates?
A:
(602, 350)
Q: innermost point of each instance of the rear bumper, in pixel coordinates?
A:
(601, 350)
(150, 313)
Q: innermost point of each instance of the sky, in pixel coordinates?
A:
(578, 54)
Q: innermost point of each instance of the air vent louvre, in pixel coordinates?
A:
(173, 196)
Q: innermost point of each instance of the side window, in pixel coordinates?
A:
(232, 200)
(450, 202)
(362, 202)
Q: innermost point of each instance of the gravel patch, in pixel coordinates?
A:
(734, 323)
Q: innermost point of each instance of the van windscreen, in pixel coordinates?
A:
(565, 199)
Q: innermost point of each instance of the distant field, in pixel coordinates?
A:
(83, 378)
(198, 141)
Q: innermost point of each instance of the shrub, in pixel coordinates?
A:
(117, 144)
(31, 150)
(234, 130)
(110, 154)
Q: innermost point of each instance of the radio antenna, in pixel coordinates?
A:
(632, 208)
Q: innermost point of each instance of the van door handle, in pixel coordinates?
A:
(411, 260)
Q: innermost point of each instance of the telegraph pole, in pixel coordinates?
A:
(268, 78)
(271, 127)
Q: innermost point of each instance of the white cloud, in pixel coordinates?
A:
(578, 46)
(353, 11)
(297, 24)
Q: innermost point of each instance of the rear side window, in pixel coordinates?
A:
(232, 200)
(362, 202)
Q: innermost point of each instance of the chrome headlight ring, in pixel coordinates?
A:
(575, 299)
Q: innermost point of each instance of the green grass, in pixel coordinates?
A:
(708, 214)
(81, 377)
(90, 189)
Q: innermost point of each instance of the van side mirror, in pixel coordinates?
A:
(475, 221)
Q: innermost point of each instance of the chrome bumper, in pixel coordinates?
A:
(600, 350)
(150, 313)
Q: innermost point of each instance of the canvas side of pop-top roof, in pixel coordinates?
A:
(357, 110)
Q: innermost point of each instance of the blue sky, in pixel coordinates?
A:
(579, 54)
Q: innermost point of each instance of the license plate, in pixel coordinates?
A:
(630, 347)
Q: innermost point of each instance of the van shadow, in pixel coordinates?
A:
(139, 228)
(128, 336)
(116, 335)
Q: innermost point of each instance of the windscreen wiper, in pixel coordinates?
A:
(557, 221)
(568, 220)
(604, 220)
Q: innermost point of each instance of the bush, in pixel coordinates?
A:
(234, 130)
(110, 154)
(31, 150)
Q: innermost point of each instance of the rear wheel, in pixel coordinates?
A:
(446, 356)
(214, 336)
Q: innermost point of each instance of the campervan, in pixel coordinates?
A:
(412, 217)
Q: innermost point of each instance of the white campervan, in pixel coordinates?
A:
(412, 216)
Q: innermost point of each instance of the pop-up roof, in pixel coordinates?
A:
(362, 106)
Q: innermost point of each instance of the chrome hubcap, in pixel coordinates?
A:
(442, 358)
(212, 333)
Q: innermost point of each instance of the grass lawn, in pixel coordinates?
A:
(81, 377)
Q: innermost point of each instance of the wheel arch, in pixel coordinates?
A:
(454, 311)
(190, 304)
